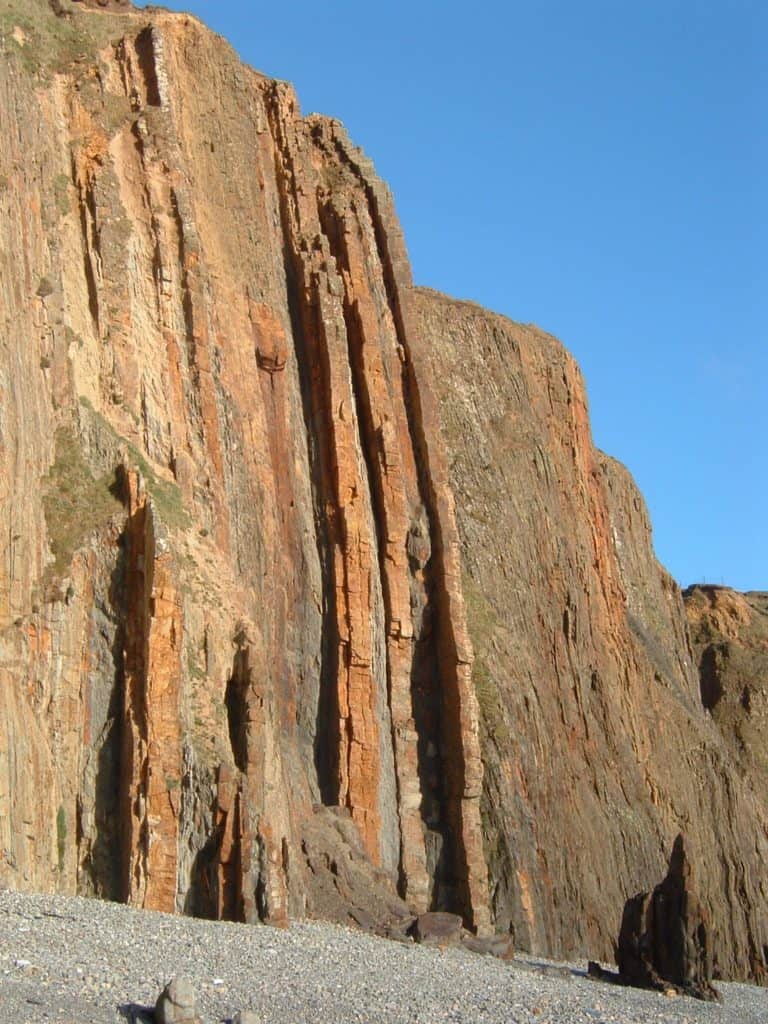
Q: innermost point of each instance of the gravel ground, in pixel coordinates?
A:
(75, 960)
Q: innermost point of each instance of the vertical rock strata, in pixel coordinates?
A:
(257, 492)
(208, 297)
(597, 748)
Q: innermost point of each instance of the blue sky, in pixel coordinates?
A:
(596, 168)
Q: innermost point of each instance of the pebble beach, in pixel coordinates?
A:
(77, 961)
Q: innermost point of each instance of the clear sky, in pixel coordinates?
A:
(600, 169)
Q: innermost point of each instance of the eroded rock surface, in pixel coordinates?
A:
(729, 632)
(230, 590)
(281, 532)
(597, 749)
(666, 935)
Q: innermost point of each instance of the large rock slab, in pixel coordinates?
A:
(666, 935)
(234, 593)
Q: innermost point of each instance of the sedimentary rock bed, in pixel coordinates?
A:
(594, 736)
(314, 594)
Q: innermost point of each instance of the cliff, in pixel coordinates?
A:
(315, 597)
(594, 737)
(729, 632)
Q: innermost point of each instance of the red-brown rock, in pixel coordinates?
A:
(280, 531)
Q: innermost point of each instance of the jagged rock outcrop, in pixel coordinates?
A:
(665, 937)
(729, 632)
(283, 534)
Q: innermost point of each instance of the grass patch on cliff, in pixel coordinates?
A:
(61, 836)
(166, 495)
(482, 622)
(45, 44)
(42, 42)
(75, 502)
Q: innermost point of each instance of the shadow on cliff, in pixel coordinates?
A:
(326, 739)
(105, 860)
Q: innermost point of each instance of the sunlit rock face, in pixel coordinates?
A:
(316, 597)
(596, 746)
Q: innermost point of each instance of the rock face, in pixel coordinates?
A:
(597, 749)
(263, 502)
(665, 938)
(230, 580)
(729, 632)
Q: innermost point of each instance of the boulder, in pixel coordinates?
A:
(438, 928)
(665, 939)
(500, 946)
(176, 1004)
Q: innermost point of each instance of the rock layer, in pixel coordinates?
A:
(262, 502)
(264, 602)
(597, 749)
(729, 632)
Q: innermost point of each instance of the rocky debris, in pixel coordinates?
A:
(176, 1004)
(438, 928)
(344, 885)
(666, 937)
(500, 946)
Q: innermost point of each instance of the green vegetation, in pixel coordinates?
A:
(482, 622)
(45, 44)
(74, 501)
(61, 835)
(61, 193)
(166, 495)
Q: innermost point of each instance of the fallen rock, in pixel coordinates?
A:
(438, 928)
(246, 1017)
(500, 946)
(176, 1004)
(665, 939)
(342, 883)
(398, 929)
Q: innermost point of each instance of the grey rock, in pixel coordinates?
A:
(438, 928)
(500, 946)
(176, 1003)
